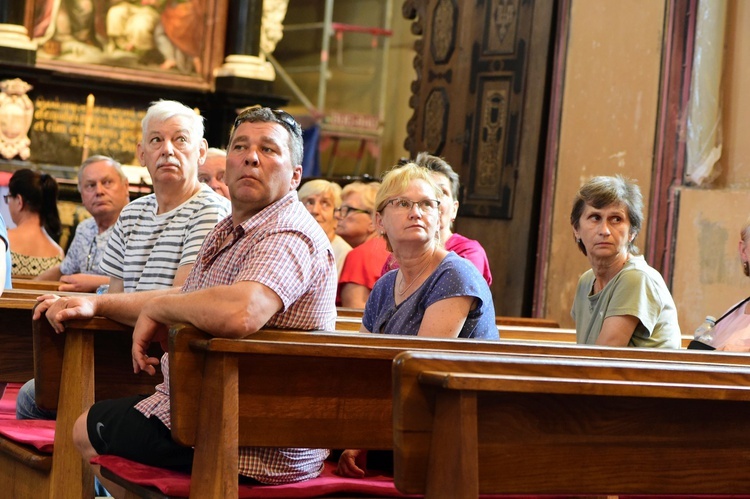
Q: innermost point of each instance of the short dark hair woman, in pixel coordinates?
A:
(621, 301)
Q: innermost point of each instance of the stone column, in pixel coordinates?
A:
(254, 28)
(15, 44)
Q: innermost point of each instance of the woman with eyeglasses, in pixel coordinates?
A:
(447, 179)
(434, 292)
(356, 226)
(32, 202)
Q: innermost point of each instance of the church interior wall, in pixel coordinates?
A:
(609, 110)
(708, 276)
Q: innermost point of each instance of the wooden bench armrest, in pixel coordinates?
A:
(21, 283)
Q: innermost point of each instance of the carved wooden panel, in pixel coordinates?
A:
(494, 38)
(478, 100)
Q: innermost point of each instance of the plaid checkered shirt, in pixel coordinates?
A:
(284, 248)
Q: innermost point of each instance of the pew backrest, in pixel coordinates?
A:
(21, 283)
(16, 360)
(89, 361)
(302, 379)
(465, 425)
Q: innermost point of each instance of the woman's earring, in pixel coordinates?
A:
(746, 268)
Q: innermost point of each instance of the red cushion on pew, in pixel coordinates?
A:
(8, 401)
(38, 433)
(177, 484)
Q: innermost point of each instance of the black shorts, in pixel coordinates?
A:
(116, 427)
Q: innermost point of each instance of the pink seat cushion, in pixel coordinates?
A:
(38, 433)
(8, 400)
(177, 484)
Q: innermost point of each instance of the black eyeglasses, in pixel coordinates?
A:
(281, 116)
(345, 210)
(7, 197)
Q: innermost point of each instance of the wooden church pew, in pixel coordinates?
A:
(515, 329)
(356, 313)
(471, 424)
(309, 389)
(91, 360)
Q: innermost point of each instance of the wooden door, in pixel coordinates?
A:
(479, 102)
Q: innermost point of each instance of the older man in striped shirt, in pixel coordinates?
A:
(156, 238)
(268, 264)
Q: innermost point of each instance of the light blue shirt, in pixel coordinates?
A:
(4, 237)
(86, 250)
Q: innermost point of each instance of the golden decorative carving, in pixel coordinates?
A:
(435, 117)
(272, 27)
(443, 30)
(491, 144)
(16, 112)
(503, 20)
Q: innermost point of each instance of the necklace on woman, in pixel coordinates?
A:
(403, 277)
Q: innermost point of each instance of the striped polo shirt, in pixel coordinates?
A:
(146, 249)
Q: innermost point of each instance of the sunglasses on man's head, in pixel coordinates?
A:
(281, 116)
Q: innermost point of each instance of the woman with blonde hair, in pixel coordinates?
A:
(322, 199)
(434, 292)
(447, 179)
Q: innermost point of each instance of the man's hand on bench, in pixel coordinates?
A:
(147, 331)
(60, 309)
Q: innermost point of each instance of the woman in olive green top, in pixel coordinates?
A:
(621, 300)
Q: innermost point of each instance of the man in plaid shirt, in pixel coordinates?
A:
(268, 264)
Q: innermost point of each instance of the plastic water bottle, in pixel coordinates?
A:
(703, 333)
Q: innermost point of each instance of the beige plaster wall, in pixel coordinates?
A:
(608, 120)
(708, 277)
(735, 161)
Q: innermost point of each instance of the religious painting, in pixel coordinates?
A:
(167, 42)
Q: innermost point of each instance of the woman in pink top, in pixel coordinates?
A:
(447, 180)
